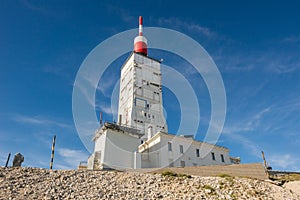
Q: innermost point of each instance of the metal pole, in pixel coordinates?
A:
(52, 153)
(8, 157)
(101, 119)
(263, 157)
(265, 162)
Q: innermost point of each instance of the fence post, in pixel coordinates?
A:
(52, 153)
(8, 157)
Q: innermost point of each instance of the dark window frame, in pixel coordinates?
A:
(197, 153)
(213, 156)
(181, 148)
(169, 146)
(222, 158)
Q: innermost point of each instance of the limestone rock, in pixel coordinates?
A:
(33, 183)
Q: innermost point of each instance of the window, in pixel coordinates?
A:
(222, 158)
(213, 155)
(140, 102)
(169, 146)
(197, 153)
(181, 148)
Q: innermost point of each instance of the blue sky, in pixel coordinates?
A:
(255, 45)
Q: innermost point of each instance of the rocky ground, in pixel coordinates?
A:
(33, 183)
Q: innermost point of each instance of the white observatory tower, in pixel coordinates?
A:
(140, 99)
(141, 139)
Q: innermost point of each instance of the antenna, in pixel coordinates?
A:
(101, 119)
(140, 42)
(140, 26)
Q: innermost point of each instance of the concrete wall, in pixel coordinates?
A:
(157, 153)
(140, 99)
(115, 149)
(253, 170)
(119, 150)
(100, 146)
(90, 162)
(189, 156)
(151, 157)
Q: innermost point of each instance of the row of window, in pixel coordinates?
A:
(213, 157)
(158, 126)
(149, 116)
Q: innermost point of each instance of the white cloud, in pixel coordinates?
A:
(38, 120)
(106, 108)
(249, 124)
(122, 13)
(106, 85)
(269, 60)
(71, 158)
(35, 7)
(44, 9)
(190, 26)
(284, 161)
(87, 84)
(280, 67)
(291, 39)
(256, 119)
(246, 143)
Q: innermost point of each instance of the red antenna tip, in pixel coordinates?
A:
(140, 42)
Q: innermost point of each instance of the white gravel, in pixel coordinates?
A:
(33, 183)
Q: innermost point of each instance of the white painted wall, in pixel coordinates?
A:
(160, 156)
(140, 99)
(117, 149)
(100, 145)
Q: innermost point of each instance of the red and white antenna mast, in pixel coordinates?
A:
(140, 42)
(140, 26)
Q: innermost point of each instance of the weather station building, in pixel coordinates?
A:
(140, 138)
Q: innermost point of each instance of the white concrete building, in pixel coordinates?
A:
(164, 150)
(140, 102)
(120, 147)
(115, 147)
(140, 139)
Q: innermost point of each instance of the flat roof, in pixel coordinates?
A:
(140, 55)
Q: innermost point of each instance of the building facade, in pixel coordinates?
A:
(166, 150)
(140, 138)
(119, 147)
(140, 98)
(140, 102)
